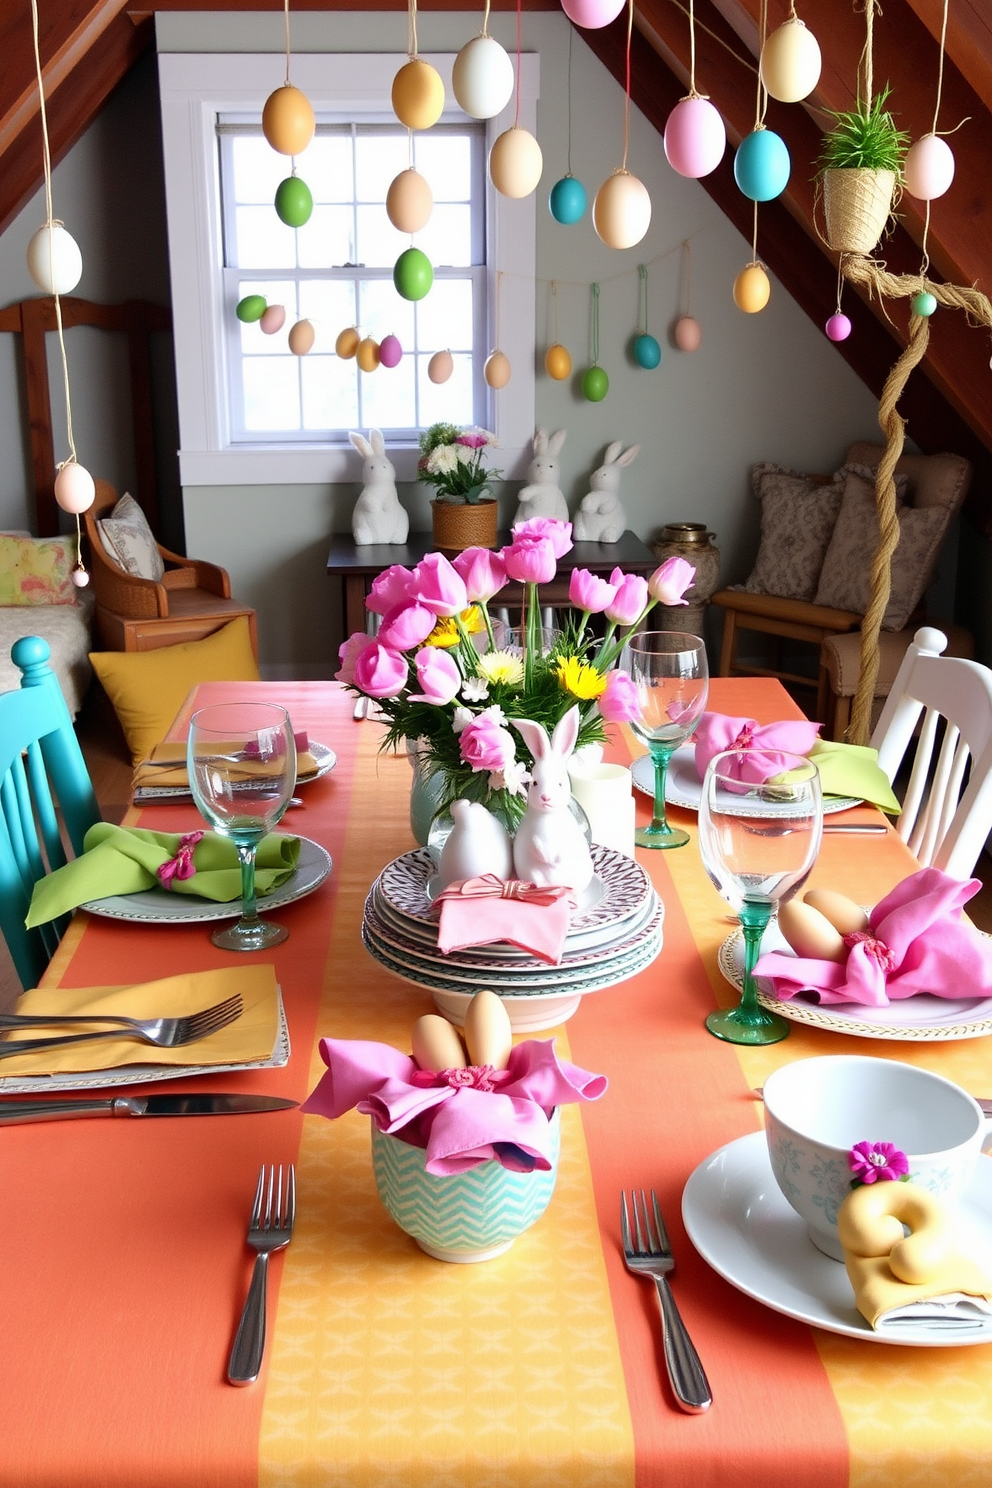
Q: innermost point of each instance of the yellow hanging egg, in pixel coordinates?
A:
(497, 370)
(409, 202)
(752, 289)
(301, 338)
(418, 94)
(515, 162)
(557, 362)
(367, 354)
(287, 120)
(440, 366)
(347, 343)
(621, 212)
(790, 62)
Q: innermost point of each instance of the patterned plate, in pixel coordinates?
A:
(683, 786)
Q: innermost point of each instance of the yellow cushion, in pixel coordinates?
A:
(147, 688)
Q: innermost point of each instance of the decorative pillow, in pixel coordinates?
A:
(37, 570)
(130, 542)
(846, 578)
(797, 522)
(147, 688)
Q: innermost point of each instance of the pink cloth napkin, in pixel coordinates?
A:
(917, 942)
(764, 744)
(461, 1117)
(478, 911)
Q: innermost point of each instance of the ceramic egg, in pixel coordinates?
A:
(488, 1035)
(347, 343)
(390, 351)
(688, 333)
(557, 362)
(568, 200)
(413, 274)
(288, 121)
(74, 488)
(515, 163)
(497, 370)
(592, 14)
(272, 319)
(762, 165)
(790, 62)
(251, 308)
(418, 94)
(810, 933)
(928, 169)
(367, 355)
(621, 212)
(440, 366)
(838, 327)
(80, 577)
(301, 337)
(54, 260)
(409, 202)
(595, 384)
(843, 913)
(923, 303)
(482, 78)
(646, 351)
(695, 138)
(752, 289)
(435, 1044)
(293, 202)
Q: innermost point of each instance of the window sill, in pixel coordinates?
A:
(282, 465)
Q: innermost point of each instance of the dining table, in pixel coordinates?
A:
(124, 1263)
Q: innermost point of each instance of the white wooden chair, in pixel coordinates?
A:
(947, 810)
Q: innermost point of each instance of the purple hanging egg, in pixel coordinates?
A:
(390, 351)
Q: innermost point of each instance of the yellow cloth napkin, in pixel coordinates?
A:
(166, 766)
(250, 1037)
(878, 1293)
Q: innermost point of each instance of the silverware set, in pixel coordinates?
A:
(269, 1229)
(164, 1033)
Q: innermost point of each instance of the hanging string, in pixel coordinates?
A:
(520, 29)
(754, 239)
(411, 30)
(865, 63)
(642, 299)
(485, 21)
(498, 296)
(686, 267)
(595, 324)
(409, 149)
(925, 258)
(840, 283)
(569, 156)
(692, 50)
(554, 308)
(286, 21)
(626, 100)
(761, 101)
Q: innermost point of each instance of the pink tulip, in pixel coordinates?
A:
(588, 592)
(436, 584)
(558, 533)
(618, 704)
(631, 598)
(486, 746)
(391, 587)
(669, 582)
(379, 672)
(483, 571)
(406, 625)
(530, 560)
(438, 676)
(348, 652)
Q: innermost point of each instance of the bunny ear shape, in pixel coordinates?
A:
(556, 441)
(565, 734)
(535, 736)
(361, 444)
(378, 443)
(540, 441)
(629, 456)
(612, 450)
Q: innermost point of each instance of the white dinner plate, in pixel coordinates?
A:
(325, 757)
(739, 1221)
(920, 1019)
(162, 907)
(683, 786)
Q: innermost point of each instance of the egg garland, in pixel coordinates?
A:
(928, 169)
(762, 165)
(409, 201)
(440, 367)
(288, 121)
(417, 94)
(293, 202)
(595, 384)
(347, 343)
(838, 327)
(390, 351)
(557, 362)
(695, 138)
(413, 274)
(688, 333)
(790, 62)
(482, 77)
(301, 338)
(54, 260)
(621, 212)
(497, 370)
(273, 319)
(515, 163)
(251, 308)
(752, 289)
(592, 15)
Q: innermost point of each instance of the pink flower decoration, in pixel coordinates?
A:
(438, 676)
(618, 704)
(588, 592)
(483, 572)
(877, 1162)
(530, 560)
(406, 625)
(348, 653)
(391, 587)
(630, 600)
(380, 672)
(438, 585)
(559, 534)
(486, 746)
(474, 441)
(669, 582)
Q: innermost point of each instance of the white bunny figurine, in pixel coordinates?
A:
(378, 516)
(549, 846)
(478, 843)
(542, 497)
(601, 517)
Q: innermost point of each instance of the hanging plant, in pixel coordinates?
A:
(861, 162)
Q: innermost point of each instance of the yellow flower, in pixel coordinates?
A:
(445, 632)
(579, 678)
(501, 666)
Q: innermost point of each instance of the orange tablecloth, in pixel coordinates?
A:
(124, 1265)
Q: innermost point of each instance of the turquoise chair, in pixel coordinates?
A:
(41, 769)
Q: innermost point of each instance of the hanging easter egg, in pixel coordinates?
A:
(497, 370)
(515, 162)
(54, 260)
(301, 338)
(440, 366)
(273, 319)
(251, 308)
(647, 351)
(762, 165)
(287, 120)
(621, 212)
(390, 351)
(567, 202)
(688, 333)
(74, 488)
(695, 138)
(752, 289)
(293, 202)
(790, 62)
(367, 356)
(928, 169)
(838, 327)
(923, 303)
(409, 202)
(347, 343)
(592, 14)
(595, 384)
(482, 78)
(413, 274)
(418, 94)
(80, 577)
(557, 362)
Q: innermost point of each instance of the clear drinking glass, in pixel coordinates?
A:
(758, 843)
(241, 759)
(668, 669)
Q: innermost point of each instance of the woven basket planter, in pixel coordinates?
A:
(464, 525)
(856, 204)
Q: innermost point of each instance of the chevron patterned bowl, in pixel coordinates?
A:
(469, 1216)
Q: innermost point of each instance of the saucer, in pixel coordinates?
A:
(739, 1221)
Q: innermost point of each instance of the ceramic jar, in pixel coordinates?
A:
(691, 541)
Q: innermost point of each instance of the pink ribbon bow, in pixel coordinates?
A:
(488, 886)
(763, 746)
(532, 916)
(181, 866)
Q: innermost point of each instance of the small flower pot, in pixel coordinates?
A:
(466, 1217)
(461, 525)
(856, 204)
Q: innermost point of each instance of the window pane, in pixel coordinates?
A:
(444, 318)
(330, 304)
(326, 240)
(325, 165)
(450, 401)
(446, 161)
(383, 312)
(447, 238)
(262, 241)
(378, 158)
(254, 341)
(379, 243)
(258, 168)
(272, 393)
(387, 396)
(330, 396)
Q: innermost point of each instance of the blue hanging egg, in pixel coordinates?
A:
(568, 200)
(924, 303)
(762, 165)
(647, 351)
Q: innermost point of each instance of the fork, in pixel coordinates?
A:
(649, 1253)
(164, 1033)
(274, 1232)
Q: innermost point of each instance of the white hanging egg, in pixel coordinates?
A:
(621, 212)
(54, 260)
(482, 78)
(74, 488)
(790, 62)
(409, 201)
(515, 163)
(80, 577)
(440, 366)
(929, 167)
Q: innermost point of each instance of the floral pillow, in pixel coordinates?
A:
(798, 513)
(37, 570)
(130, 542)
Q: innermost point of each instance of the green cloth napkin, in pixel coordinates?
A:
(125, 860)
(853, 770)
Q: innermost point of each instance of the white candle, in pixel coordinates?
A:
(605, 794)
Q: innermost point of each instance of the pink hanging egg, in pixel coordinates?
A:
(74, 488)
(592, 14)
(688, 333)
(929, 168)
(80, 577)
(440, 366)
(695, 138)
(838, 327)
(390, 351)
(273, 319)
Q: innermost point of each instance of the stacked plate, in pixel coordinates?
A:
(616, 931)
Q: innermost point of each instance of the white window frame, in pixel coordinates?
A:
(195, 89)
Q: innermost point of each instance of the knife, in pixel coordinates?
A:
(12, 1111)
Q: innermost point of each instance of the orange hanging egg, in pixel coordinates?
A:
(288, 122)
(497, 370)
(367, 354)
(557, 362)
(301, 338)
(347, 343)
(418, 94)
(752, 289)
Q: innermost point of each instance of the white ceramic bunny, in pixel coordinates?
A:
(478, 843)
(549, 846)
(378, 516)
(542, 496)
(601, 517)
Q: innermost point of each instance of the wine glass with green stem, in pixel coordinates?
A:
(241, 759)
(758, 841)
(668, 669)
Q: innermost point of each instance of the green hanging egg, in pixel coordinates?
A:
(595, 384)
(924, 303)
(251, 308)
(413, 274)
(293, 203)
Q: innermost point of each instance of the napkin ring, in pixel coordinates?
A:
(181, 866)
